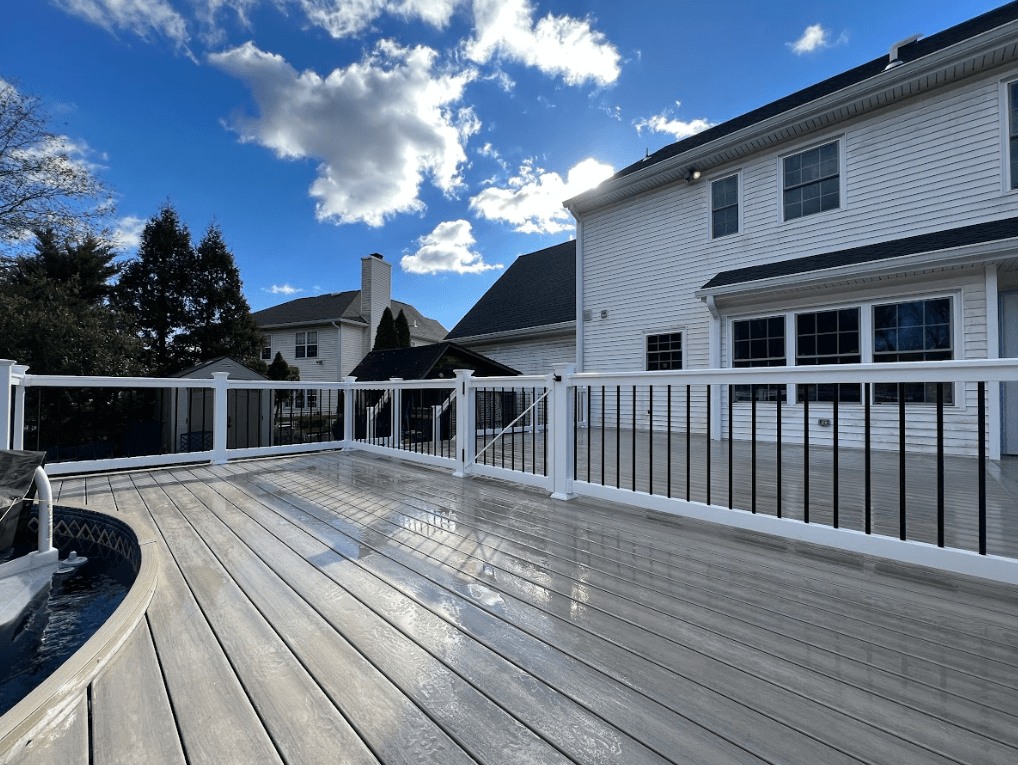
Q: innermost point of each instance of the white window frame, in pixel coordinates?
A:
(780, 177)
(1005, 133)
(710, 205)
(305, 345)
(655, 332)
(866, 306)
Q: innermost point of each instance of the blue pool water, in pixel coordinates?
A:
(60, 622)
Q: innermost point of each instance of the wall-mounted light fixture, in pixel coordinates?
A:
(692, 174)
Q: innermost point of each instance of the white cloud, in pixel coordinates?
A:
(447, 248)
(379, 126)
(345, 18)
(814, 38)
(556, 45)
(141, 17)
(533, 201)
(663, 123)
(127, 235)
(284, 289)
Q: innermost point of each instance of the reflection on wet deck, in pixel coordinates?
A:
(346, 608)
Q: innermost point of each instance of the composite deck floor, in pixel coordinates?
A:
(344, 608)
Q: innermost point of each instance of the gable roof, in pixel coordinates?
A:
(537, 290)
(924, 47)
(205, 369)
(427, 362)
(322, 309)
(896, 248)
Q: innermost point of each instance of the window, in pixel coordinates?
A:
(812, 182)
(266, 349)
(308, 398)
(307, 345)
(919, 330)
(759, 343)
(828, 337)
(664, 351)
(725, 206)
(1012, 103)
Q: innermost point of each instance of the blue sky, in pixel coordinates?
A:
(443, 134)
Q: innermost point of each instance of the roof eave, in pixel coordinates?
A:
(966, 255)
(313, 322)
(891, 83)
(544, 330)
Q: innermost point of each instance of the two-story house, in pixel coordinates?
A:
(326, 336)
(872, 217)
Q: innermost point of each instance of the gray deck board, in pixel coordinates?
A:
(602, 635)
(132, 720)
(65, 742)
(345, 608)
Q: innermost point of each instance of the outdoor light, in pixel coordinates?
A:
(692, 174)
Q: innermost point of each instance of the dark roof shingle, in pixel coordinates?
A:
(895, 248)
(427, 362)
(538, 289)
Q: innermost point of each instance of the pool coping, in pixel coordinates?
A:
(55, 697)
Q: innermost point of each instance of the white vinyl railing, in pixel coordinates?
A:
(599, 435)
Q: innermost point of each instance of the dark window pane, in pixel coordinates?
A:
(938, 311)
(776, 348)
(848, 341)
(807, 346)
(885, 316)
(827, 345)
(910, 338)
(776, 327)
(848, 319)
(810, 206)
(758, 349)
(806, 323)
(741, 330)
(827, 321)
(757, 328)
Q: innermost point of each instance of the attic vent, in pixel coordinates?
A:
(588, 314)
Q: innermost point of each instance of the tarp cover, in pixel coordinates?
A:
(17, 474)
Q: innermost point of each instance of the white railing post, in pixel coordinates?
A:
(18, 439)
(219, 419)
(396, 426)
(465, 425)
(348, 425)
(561, 433)
(6, 380)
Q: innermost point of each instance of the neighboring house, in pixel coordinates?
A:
(870, 217)
(434, 362)
(248, 412)
(327, 336)
(527, 319)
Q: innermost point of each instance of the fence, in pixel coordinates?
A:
(857, 457)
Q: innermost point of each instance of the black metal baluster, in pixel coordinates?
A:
(777, 417)
(502, 423)
(752, 503)
(650, 437)
(689, 448)
(669, 430)
(981, 392)
(940, 464)
(805, 458)
(901, 460)
(576, 409)
(590, 430)
(834, 414)
(708, 445)
(867, 503)
(731, 441)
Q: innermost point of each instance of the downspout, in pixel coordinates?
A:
(994, 433)
(714, 360)
(579, 292)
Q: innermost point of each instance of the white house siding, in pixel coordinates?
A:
(533, 356)
(924, 166)
(353, 349)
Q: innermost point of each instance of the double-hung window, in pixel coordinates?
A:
(812, 181)
(266, 349)
(664, 351)
(828, 337)
(917, 330)
(306, 346)
(724, 205)
(759, 343)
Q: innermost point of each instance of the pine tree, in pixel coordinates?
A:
(155, 288)
(386, 338)
(86, 267)
(402, 330)
(219, 319)
(283, 372)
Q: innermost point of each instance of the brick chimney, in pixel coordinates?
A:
(376, 292)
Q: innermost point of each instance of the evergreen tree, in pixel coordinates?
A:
(280, 370)
(402, 330)
(219, 319)
(386, 338)
(155, 288)
(85, 267)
